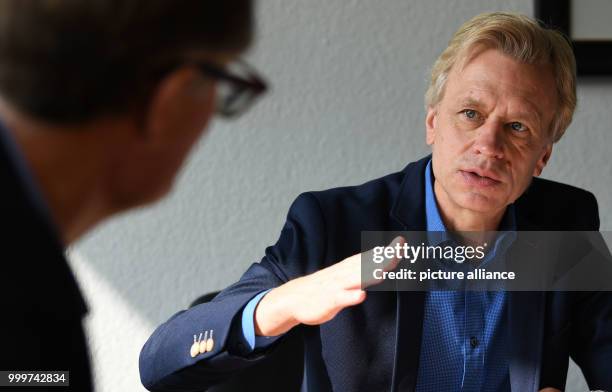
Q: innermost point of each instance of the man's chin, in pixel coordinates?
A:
(122, 201)
(480, 203)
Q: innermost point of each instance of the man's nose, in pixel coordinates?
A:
(490, 140)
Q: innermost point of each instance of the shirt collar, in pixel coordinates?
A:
(432, 214)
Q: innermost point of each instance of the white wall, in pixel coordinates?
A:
(348, 81)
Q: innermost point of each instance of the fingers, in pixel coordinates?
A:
(391, 264)
(358, 281)
(326, 292)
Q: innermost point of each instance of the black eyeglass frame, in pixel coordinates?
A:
(245, 90)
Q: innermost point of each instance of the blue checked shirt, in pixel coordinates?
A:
(464, 340)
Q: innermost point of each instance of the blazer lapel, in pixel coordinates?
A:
(409, 211)
(525, 320)
(525, 324)
(410, 308)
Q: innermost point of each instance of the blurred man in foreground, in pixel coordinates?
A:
(100, 103)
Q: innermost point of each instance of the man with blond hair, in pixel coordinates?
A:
(501, 94)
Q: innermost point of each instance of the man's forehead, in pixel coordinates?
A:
(493, 81)
(483, 84)
(490, 66)
(485, 94)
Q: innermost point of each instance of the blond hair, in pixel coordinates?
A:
(521, 38)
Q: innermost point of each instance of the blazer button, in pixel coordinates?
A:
(210, 343)
(195, 350)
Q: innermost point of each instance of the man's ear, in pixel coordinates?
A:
(544, 158)
(430, 125)
(170, 102)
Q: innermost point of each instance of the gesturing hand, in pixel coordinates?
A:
(316, 298)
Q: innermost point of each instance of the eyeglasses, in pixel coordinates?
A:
(238, 86)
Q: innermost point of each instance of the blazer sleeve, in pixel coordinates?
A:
(165, 360)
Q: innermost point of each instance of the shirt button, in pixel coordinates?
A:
(474, 342)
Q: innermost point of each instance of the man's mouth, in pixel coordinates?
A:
(476, 177)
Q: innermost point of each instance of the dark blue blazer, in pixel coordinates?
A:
(42, 307)
(375, 346)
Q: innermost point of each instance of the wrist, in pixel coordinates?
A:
(274, 315)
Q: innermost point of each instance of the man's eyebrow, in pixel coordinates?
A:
(530, 115)
(471, 102)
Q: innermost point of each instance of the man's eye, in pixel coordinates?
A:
(517, 126)
(469, 113)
